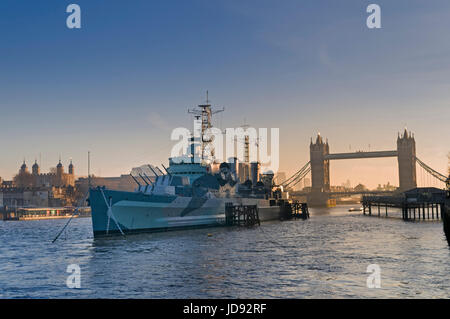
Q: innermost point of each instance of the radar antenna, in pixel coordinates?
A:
(205, 114)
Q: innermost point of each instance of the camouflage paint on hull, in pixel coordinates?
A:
(137, 212)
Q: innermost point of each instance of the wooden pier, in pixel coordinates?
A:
(296, 210)
(417, 204)
(248, 215)
(241, 215)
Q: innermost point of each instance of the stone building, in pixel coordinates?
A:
(406, 148)
(320, 167)
(36, 189)
(120, 183)
(52, 179)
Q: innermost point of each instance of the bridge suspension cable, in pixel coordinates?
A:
(297, 175)
(300, 177)
(431, 171)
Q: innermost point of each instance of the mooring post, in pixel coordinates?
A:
(386, 210)
(229, 214)
(238, 210)
(257, 215)
(379, 209)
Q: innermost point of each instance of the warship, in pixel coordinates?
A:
(190, 193)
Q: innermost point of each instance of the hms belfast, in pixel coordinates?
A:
(193, 192)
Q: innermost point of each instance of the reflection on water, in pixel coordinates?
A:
(324, 257)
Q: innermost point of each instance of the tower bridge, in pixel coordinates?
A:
(361, 155)
(319, 166)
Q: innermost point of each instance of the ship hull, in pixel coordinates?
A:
(115, 212)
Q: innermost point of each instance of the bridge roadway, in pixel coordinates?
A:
(354, 155)
(301, 193)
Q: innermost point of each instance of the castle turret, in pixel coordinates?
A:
(71, 168)
(35, 168)
(23, 168)
(59, 169)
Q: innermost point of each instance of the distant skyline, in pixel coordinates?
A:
(119, 85)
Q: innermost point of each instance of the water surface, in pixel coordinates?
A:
(323, 257)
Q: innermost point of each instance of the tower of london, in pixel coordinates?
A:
(52, 179)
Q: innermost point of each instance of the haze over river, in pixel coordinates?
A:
(323, 257)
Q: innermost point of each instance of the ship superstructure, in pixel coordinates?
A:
(193, 191)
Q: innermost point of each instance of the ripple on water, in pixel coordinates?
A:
(324, 257)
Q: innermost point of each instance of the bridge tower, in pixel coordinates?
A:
(406, 150)
(320, 168)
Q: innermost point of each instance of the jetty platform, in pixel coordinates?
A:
(427, 203)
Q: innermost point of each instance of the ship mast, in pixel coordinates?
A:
(205, 114)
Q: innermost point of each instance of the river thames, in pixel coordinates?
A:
(324, 257)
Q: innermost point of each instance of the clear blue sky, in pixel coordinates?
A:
(119, 85)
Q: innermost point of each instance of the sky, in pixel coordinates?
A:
(119, 85)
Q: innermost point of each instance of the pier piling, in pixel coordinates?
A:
(414, 204)
(241, 215)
